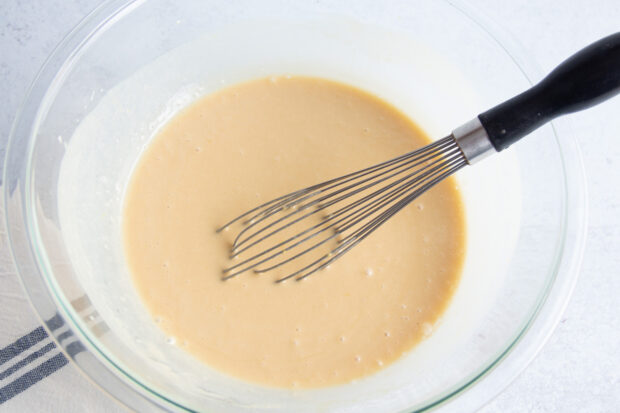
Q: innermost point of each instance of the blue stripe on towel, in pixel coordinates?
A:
(26, 360)
(33, 376)
(22, 344)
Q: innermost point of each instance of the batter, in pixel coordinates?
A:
(243, 146)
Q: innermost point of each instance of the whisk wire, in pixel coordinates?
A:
(417, 158)
(353, 241)
(364, 212)
(403, 179)
(356, 219)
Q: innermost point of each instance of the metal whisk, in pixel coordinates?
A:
(308, 229)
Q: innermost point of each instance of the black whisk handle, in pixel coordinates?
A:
(588, 77)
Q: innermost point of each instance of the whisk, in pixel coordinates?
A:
(308, 229)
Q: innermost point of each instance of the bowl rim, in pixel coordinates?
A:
(470, 394)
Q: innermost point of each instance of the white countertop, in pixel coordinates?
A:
(579, 368)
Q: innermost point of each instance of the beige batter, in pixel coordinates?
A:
(245, 145)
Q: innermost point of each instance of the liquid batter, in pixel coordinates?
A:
(243, 146)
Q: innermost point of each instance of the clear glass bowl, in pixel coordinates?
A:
(112, 82)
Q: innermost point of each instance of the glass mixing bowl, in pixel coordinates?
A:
(130, 65)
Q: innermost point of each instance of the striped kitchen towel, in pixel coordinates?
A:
(23, 354)
(35, 376)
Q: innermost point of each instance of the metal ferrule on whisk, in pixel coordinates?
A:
(473, 140)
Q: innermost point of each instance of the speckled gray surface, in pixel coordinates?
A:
(579, 368)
